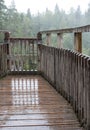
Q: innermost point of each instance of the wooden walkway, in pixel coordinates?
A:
(31, 103)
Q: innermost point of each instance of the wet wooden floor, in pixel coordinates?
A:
(31, 103)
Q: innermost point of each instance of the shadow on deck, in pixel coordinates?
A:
(31, 103)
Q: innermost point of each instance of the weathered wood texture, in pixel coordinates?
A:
(3, 59)
(78, 42)
(69, 73)
(60, 32)
(68, 30)
(31, 103)
(23, 55)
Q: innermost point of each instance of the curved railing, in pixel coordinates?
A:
(69, 73)
(67, 70)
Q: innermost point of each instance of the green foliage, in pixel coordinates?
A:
(27, 25)
(2, 14)
(1, 37)
(68, 41)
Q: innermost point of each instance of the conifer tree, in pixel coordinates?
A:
(2, 14)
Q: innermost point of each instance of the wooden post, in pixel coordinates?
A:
(78, 42)
(39, 38)
(60, 40)
(88, 97)
(6, 37)
(6, 40)
(48, 39)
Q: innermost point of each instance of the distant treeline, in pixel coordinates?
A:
(27, 24)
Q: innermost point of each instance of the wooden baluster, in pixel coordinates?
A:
(36, 55)
(8, 60)
(85, 90)
(29, 56)
(22, 44)
(21, 56)
(28, 53)
(3, 58)
(33, 56)
(27, 47)
(18, 56)
(7, 40)
(88, 95)
(76, 80)
(12, 48)
(25, 59)
(10, 56)
(0, 60)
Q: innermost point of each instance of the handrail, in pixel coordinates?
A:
(77, 31)
(22, 38)
(68, 30)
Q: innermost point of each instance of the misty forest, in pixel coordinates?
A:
(22, 24)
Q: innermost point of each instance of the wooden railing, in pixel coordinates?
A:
(23, 55)
(18, 55)
(77, 34)
(69, 73)
(3, 52)
(68, 70)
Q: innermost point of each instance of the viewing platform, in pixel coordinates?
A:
(44, 87)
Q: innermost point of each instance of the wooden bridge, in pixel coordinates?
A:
(43, 87)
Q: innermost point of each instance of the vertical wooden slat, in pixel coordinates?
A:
(71, 78)
(88, 95)
(3, 59)
(0, 60)
(8, 60)
(85, 90)
(24, 54)
(33, 57)
(29, 55)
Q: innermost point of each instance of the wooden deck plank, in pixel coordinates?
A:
(31, 103)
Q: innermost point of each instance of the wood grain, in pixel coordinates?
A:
(30, 102)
